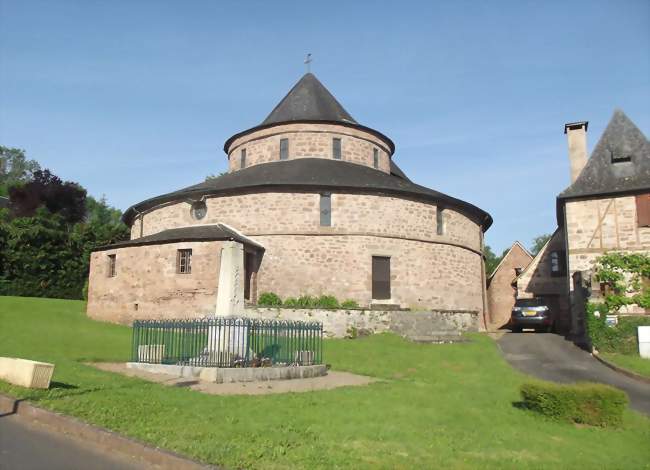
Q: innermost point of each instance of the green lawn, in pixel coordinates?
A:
(440, 406)
(630, 362)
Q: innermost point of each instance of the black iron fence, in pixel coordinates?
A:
(227, 342)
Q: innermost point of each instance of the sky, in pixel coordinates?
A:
(135, 98)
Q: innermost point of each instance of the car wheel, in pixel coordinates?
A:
(549, 329)
(516, 329)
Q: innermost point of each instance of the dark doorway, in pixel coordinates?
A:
(380, 277)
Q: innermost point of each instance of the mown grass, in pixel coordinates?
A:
(440, 406)
(630, 362)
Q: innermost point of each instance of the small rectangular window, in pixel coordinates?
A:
(336, 148)
(375, 158)
(619, 156)
(112, 268)
(380, 277)
(325, 210)
(242, 159)
(557, 263)
(643, 210)
(184, 261)
(440, 221)
(284, 149)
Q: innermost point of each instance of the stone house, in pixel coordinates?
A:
(605, 208)
(501, 287)
(313, 203)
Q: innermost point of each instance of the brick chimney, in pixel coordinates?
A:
(576, 133)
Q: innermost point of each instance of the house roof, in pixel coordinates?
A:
(309, 102)
(195, 233)
(516, 243)
(602, 177)
(539, 254)
(310, 174)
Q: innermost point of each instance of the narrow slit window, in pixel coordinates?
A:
(242, 159)
(112, 266)
(336, 148)
(440, 221)
(325, 210)
(375, 158)
(284, 149)
(184, 261)
(380, 277)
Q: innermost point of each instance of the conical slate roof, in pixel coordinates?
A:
(309, 100)
(601, 175)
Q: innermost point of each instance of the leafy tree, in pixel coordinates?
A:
(491, 260)
(15, 168)
(214, 177)
(539, 242)
(46, 189)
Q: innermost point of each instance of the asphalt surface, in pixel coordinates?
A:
(28, 447)
(551, 357)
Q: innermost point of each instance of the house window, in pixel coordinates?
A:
(375, 158)
(242, 159)
(325, 210)
(620, 156)
(336, 148)
(380, 277)
(112, 271)
(643, 210)
(284, 149)
(184, 261)
(557, 263)
(440, 221)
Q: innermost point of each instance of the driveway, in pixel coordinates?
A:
(30, 447)
(551, 357)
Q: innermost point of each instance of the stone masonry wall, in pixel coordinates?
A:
(437, 324)
(146, 284)
(274, 213)
(423, 275)
(501, 293)
(309, 140)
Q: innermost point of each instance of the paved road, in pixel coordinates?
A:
(551, 357)
(28, 447)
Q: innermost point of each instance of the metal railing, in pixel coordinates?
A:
(227, 342)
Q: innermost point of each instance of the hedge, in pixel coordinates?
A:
(270, 299)
(585, 403)
(621, 338)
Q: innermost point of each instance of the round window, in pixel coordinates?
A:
(198, 210)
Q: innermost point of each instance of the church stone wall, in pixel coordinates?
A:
(277, 213)
(146, 284)
(309, 141)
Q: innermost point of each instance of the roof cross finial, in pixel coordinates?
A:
(307, 62)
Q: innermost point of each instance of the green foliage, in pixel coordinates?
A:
(624, 274)
(15, 168)
(539, 242)
(269, 299)
(349, 303)
(46, 251)
(491, 260)
(435, 406)
(290, 302)
(584, 403)
(307, 301)
(621, 338)
(328, 301)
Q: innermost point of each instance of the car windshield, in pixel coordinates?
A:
(529, 303)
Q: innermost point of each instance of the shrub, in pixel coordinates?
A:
(349, 303)
(585, 403)
(307, 301)
(269, 299)
(328, 301)
(621, 338)
(290, 302)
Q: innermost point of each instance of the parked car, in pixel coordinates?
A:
(531, 313)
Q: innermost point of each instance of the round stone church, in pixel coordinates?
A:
(312, 203)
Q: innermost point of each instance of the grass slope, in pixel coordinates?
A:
(635, 363)
(440, 406)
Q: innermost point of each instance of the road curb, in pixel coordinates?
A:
(627, 372)
(103, 438)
